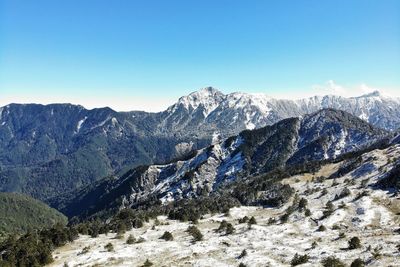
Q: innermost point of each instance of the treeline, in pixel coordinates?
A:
(35, 247)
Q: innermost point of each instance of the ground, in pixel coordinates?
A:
(374, 218)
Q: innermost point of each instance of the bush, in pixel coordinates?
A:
(222, 226)
(303, 204)
(229, 229)
(284, 218)
(299, 259)
(242, 264)
(307, 212)
(109, 247)
(357, 263)
(245, 219)
(344, 193)
(321, 228)
(354, 243)
(147, 263)
(195, 232)
(131, 240)
(243, 254)
(329, 209)
(167, 236)
(252, 221)
(332, 262)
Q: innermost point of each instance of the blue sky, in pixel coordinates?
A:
(131, 54)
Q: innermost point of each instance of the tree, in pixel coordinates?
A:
(109, 247)
(167, 236)
(252, 221)
(354, 243)
(147, 263)
(302, 204)
(195, 232)
(243, 254)
(229, 229)
(357, 263)
(332, 262)
(131, 239)
(299, 259)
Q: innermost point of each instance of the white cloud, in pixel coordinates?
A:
(331, 87)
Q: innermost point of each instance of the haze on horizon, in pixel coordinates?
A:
(134, 55)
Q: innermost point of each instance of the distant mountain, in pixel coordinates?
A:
(322, 135)
(20, 213)
(45, 150)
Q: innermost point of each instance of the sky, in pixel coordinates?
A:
(144, 54)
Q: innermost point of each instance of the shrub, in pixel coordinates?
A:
(302, 204)
(167, 236)
(109, 247)
(307, 212)
(84, 250)
(344, 193)
(147, 263)
(332, 262)
(229, 229)
(195, 232)
(242, 264)
(376, 253)
(357, 263)
(314, 245)
(329, 208)
(131, 240)
(252, 221)
(222, 226)
(284, 218)
(354, 243)
(321, 228)
(299, 259)
(245, 219)
(243, 254)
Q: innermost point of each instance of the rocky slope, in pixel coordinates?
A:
(45, 150)
(330, 207)
(323, 135)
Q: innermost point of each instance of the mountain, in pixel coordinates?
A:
(20, 213)
(343, 221)
(45, 150)
(323, 135)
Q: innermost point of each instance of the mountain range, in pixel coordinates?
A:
(323, 135)
(45, 150)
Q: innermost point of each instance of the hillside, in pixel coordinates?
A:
(340, 213)
(20, 213)
(323, 135)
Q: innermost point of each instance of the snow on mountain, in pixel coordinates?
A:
(321, 135)
(359, 209)
(241, 111)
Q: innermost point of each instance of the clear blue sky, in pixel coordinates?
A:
(139, 50)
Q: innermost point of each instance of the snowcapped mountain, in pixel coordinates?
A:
(239, 111)
(322, 135)
(45, 150)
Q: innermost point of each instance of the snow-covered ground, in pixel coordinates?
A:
(373, 218)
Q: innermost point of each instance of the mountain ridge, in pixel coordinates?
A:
(47, 149)
(323, 135)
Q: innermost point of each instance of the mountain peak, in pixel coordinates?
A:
(208, 98)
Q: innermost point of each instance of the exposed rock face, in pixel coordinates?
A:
(322, 135)
(45, 150)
